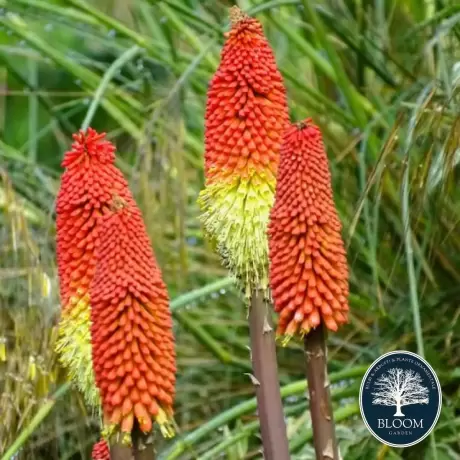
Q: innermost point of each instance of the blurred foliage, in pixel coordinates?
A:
(381, 78)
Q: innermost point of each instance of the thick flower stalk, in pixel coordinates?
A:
(87, 185)
(101, 451)
(133, 343)
(246, 115)
(308, 272)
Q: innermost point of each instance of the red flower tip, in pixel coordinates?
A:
(297, 134)
(240, 22)
(87, 187)
(90, 144)
(308, 272)
(101, 451)
(246, 110)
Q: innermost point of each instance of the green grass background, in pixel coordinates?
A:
(380, 77)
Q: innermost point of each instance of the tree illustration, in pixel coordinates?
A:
(399, 387)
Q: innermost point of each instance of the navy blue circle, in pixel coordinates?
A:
(400, 399)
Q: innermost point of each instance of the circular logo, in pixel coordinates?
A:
(400, 399)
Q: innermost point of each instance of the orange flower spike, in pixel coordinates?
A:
(246, 115)
(87, 185)
(101, 451)
(133, 353)
(308, 266)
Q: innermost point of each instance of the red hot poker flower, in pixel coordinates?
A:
(101, 451)
(308, 272)
(133, 343)
(87, 185)
(246, 115)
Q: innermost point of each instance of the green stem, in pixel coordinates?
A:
(204, 291)
(405, 208)
(35, 422)
(340, 414)
(430, 11)
(405, 215)
(209, 341)
(33, 110)
(108, 75)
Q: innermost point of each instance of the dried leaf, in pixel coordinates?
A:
(267, 327)
(328, 451)
(253, 379)
(325, 410)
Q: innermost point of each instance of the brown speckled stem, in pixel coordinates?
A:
(322, 417)
(265, 368)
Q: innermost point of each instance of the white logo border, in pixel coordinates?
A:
(435, 421)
